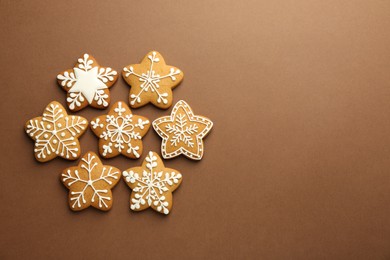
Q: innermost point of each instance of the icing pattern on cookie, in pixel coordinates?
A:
(56, 133)
(120, 132)
(152, 185)
(90, 183)
(87, 83)
(182, 132)
(152, 83)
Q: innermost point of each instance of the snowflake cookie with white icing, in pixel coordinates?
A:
(152, 81)
(55, 133)
(182, 132)
(152, 185)
(120, 132)
(90, 183)
(87, 84)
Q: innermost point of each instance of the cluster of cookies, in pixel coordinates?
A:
(120, 132)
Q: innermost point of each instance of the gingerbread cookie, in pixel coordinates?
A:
(87, 83)
(55, 133)
(182, 132)
(120, 132)
(152, 81)
(90, 183)
(152, 185)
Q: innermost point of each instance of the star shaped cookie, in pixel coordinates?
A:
(90, 183)
(152, 185)
(120, 132)
(87, 83)
(152, 81)
(182, 132)
(55, 133)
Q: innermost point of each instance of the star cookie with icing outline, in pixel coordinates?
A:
(120, 132)
(182, 132)
(152, 185)
(87, 84)
(55, 133)
(90, 183)
(152, 81)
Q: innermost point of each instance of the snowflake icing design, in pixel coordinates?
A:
(87, 83)
(56, 133)
(149, 82)
(90, 183)
(121, 131)
(152, 185)
(182, 132)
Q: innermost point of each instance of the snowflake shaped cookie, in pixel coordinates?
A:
(87, 83)
(152, 81)
(56, 134)
(120, 132)
(90, 183)
(182, 132)
(152, 185)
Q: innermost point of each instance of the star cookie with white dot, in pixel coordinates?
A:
(120, 132)
(152, 81)
(87, 84)
(55, 133)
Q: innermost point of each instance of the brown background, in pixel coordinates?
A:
(297, 165)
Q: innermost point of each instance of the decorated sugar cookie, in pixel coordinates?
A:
(152, 81)
(55, 133)
(152, 185)
(87, 84)
(90, 183)
(182, 132)
(120, 132)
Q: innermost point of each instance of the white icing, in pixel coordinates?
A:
(77, 198)
(95, 124)
(150, 81)
(133, 150)
(119, 109)
(87, 81)
(151, 185)
(182, 132)
(50, 134)
(120, 130)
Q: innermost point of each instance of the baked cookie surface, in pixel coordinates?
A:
(120, 132)
(87, 84)
(152, 81)
(56, 133)
(90, 183)
(152, 184)
(182, 132)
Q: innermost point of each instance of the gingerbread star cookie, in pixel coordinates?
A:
(120, 132)
(55, 133)
(152, 81)
(182, 132)
(90, 183)
(87, 83)
(152, 185)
